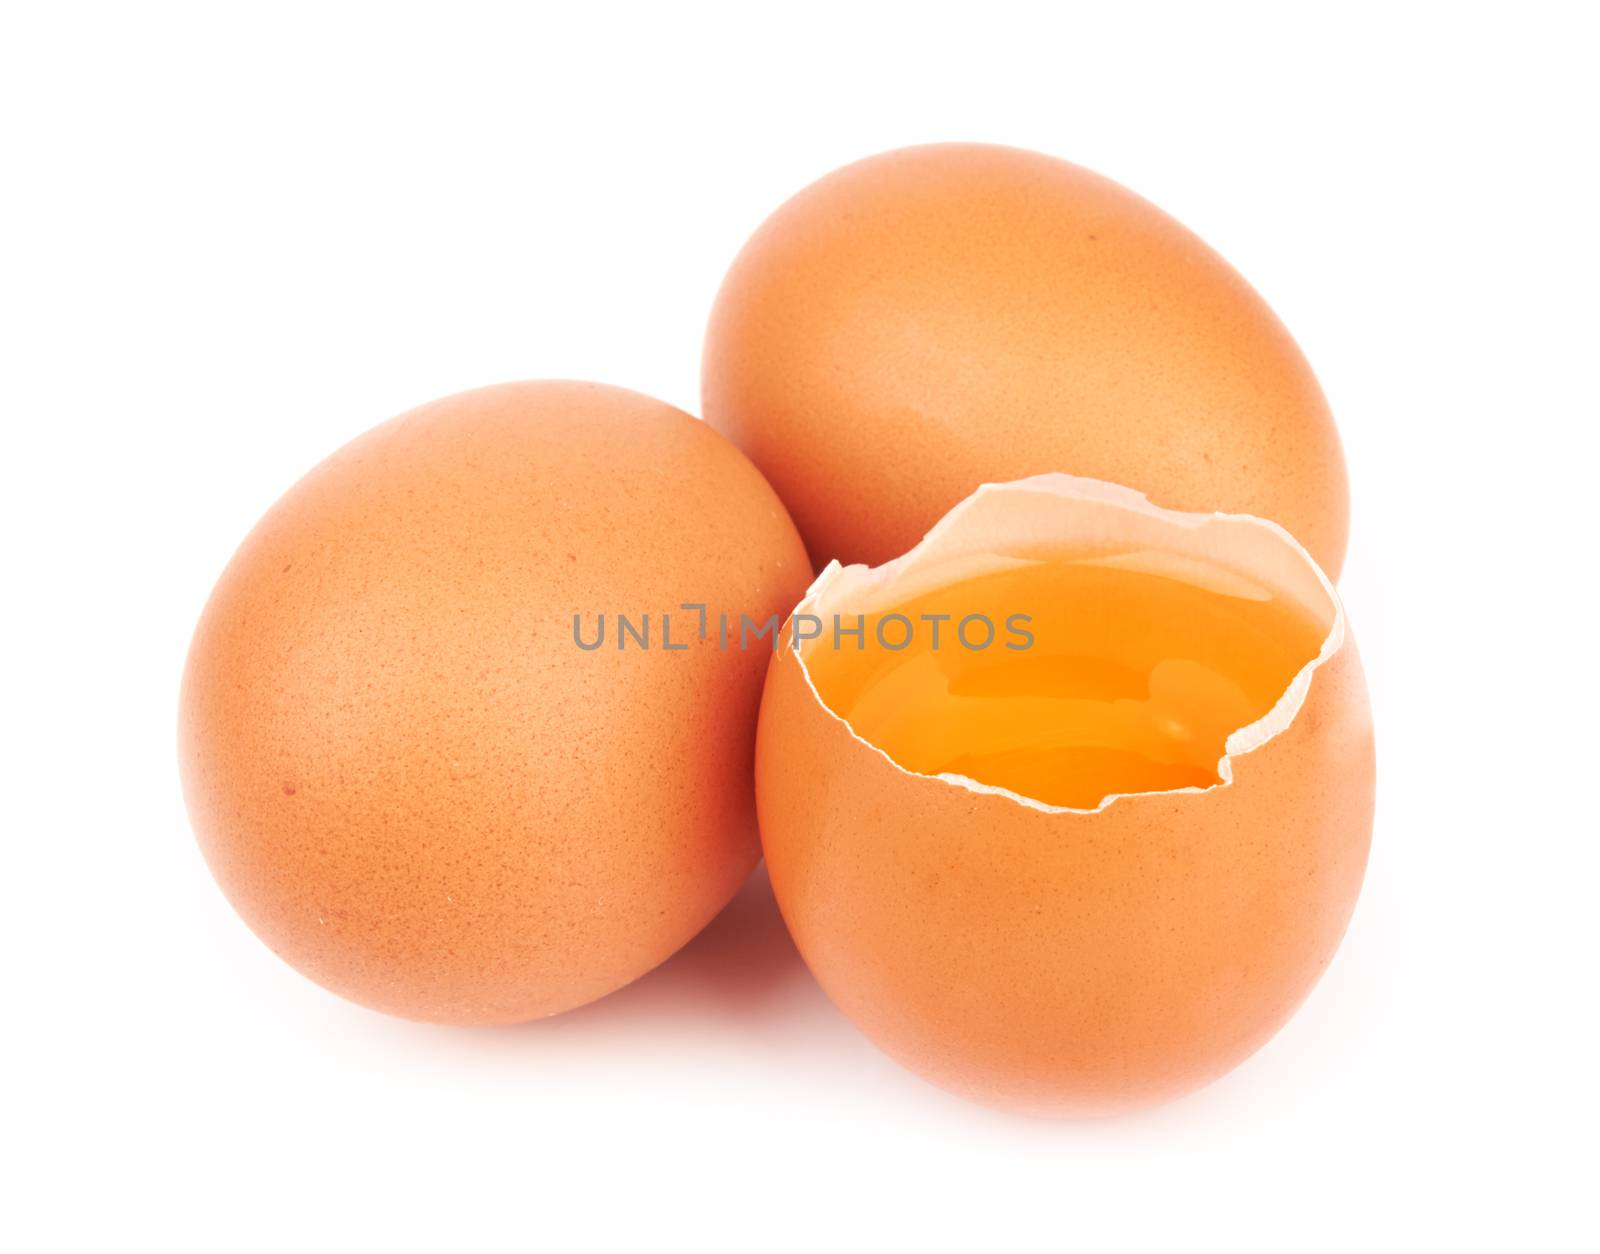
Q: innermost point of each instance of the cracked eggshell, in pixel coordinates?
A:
(405, 775)
(933, 318)
(1061, 961)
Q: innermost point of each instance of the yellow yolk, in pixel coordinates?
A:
(1100, 675)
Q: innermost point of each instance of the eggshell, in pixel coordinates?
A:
(934, 318)
(404, 773)
(1061, 961)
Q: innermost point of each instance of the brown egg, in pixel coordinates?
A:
(934, 318)
(1096, 856)
(404, 771)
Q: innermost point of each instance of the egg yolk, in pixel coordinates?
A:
(1066, 679)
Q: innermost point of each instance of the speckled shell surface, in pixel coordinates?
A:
(404, 773)
(934, 318)
(1067, 962)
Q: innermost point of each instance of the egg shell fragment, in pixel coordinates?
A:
(1061, 961)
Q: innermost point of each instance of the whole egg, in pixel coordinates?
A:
(934, 318)
(414, 764)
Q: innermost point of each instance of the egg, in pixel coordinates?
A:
(933, 318)
(458, 736)
(1068, 807)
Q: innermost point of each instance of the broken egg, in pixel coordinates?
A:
(933, 318)
(451, 741)
(1068, 807)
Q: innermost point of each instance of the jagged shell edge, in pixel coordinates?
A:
(1243, 740)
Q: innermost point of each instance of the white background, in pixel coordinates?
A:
(233, 238)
